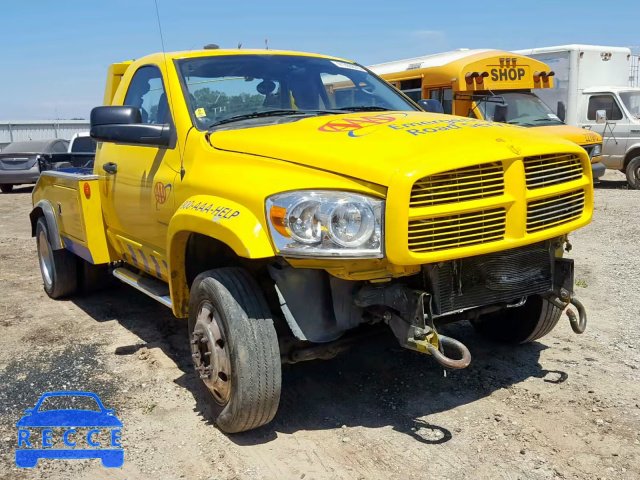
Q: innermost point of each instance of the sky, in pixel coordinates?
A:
(55, 54)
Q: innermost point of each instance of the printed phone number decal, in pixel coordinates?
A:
(216, 212)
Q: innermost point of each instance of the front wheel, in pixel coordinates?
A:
(535, 319)
(235, 348)
(6, 188)
(58, 267)
(633, 173)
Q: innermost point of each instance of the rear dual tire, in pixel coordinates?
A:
(64, 273)
(59, 268)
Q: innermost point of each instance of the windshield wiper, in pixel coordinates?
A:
(547, 120)
(364, 108)
(269, 113)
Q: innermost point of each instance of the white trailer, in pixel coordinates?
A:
(592, 90)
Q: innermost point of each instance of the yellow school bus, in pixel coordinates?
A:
(489, 85)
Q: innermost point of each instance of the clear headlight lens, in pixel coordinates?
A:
(596, 151)
(320, 223)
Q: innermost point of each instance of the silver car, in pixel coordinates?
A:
(20, 161)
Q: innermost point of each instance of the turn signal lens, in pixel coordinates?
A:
(87, 190)
(276, 215)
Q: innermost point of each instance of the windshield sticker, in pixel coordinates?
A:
(200, 112)
(553, 116)
(350, 66)
(353, 124)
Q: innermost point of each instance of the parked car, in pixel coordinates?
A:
(20, 162)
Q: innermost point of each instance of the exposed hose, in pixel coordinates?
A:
(453, 344)
(578, 325)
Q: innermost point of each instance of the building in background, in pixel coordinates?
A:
(634, 67)
(24, 130)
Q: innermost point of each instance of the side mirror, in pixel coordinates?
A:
(500, 113)
(601, 116)
(432, 106)
(562, 111)
(122, 124)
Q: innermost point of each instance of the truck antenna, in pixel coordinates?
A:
(164, 57)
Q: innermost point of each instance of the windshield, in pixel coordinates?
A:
(631, 100)
(523, 108)
(223, 87)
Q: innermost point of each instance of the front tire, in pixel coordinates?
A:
(6, 188)
(525, 324)
(235, 348)
(633, 173)
(58, 267)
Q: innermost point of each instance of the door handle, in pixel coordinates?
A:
(110, 167)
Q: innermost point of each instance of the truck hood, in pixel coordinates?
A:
(376, 146)
(576, 135)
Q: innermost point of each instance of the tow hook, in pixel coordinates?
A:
(435, 345)
(436, 350)
(578, 325)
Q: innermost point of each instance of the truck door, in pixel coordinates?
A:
(138, 190)
(615, 133)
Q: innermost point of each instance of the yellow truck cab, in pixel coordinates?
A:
(286, 218)
(492, 85)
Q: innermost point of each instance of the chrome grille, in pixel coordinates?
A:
(460, 230)
(551, 211)
(545, 170)
(470, 183)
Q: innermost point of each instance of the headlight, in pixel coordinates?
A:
(326, 224)
(596, 151)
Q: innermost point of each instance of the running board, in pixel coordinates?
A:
(156, 289)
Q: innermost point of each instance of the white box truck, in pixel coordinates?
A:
(591, 90)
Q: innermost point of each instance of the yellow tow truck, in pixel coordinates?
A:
(287, 219)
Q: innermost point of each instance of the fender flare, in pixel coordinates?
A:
(44, 209)
(231, 223)
(630, 154)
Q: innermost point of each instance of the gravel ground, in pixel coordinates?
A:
(565, 407)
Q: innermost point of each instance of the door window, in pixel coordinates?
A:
(604, 102)
(146, 92)
(412, 88)
(444, 96)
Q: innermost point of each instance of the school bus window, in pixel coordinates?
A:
(434, 94)
(411, 84)
(447, 100)
(412, 88)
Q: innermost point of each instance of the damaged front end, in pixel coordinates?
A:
(319, 308)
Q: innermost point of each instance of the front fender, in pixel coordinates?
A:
(229, 222)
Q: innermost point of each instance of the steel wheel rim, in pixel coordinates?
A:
(45, 260)
(210, 353)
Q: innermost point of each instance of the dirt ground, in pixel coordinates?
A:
(565, 407)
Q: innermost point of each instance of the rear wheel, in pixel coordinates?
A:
(58, 267)
(535, 319)
(633, 173)
(6, 188)
(235, 348)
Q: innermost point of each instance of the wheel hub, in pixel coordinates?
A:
(210, 353)
(44, 257)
